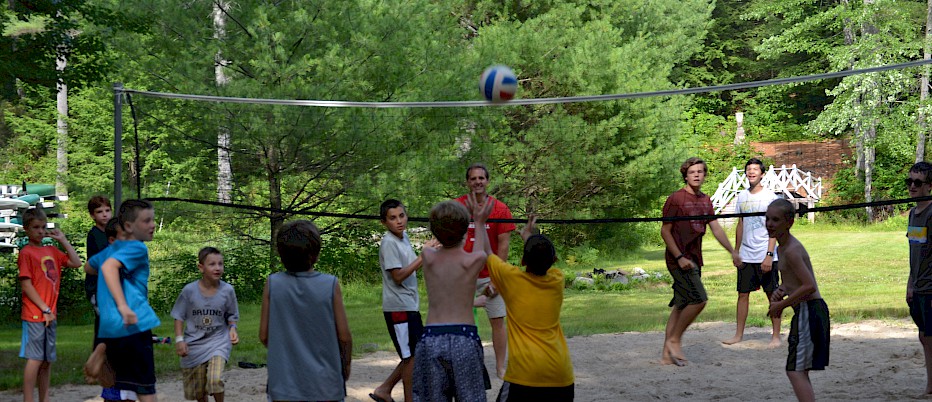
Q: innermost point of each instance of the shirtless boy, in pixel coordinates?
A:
(810, 328)
(448, 361)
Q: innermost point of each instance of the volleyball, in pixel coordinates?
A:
(498, 84)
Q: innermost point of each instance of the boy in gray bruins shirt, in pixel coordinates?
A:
(205, 316)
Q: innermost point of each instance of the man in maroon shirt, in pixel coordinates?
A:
(477, 181)
(684, 255)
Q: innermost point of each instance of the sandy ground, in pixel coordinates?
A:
(870, 360)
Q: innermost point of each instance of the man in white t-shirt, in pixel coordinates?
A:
(756, 249)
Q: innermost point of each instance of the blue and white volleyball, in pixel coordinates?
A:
(498, 84)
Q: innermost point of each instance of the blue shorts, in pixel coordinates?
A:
(38, 341)
(448, 363)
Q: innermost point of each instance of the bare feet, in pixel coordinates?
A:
(774, 343)
(735, 339)
(667, 359)
(671, 357)
(675, 351)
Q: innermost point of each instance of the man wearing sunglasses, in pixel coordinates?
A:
(919, 286)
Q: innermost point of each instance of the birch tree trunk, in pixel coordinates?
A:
(61, 61)
(224, 163)
(924, 87)
(869, 157)
(867, 29)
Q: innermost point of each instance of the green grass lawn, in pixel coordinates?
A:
(861, 273)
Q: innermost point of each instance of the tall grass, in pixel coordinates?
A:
(861, 272)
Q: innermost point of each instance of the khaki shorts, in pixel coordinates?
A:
(205, 379)
(494, 307)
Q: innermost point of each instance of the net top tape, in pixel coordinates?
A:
(532, 101)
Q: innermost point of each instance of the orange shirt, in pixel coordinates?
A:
(42, 266)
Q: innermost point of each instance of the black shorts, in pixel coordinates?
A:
(810, 332)
(513, 392)
(920, 309)
(133, 362)
(751, 278)
(405, 329)
(687, 287)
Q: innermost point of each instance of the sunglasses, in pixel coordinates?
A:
(914, 182)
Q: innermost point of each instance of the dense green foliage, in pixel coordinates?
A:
(572, 160)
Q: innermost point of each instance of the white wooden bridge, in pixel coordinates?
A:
(790, 183)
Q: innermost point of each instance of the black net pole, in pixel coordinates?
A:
(117, 145)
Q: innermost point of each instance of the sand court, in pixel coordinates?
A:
(870, 361)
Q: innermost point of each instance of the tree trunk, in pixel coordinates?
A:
(276, 219)
(61, 188)
(850, 39)
(924, 87)
(875, 101)
(869, 157)
(858, 143)
(224, 163)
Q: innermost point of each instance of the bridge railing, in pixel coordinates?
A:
(797, 186)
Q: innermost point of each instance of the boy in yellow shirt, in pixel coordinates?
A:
(539, 365)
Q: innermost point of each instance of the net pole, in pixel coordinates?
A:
(117, 145)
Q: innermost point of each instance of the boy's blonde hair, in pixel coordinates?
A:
(449, 221)
(33, 214)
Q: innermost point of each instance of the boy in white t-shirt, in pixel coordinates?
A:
(758, 268)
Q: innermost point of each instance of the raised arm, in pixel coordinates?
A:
(480, 214)
(530, 228)
(74, 261)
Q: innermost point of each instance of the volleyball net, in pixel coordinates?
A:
(246, 163)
